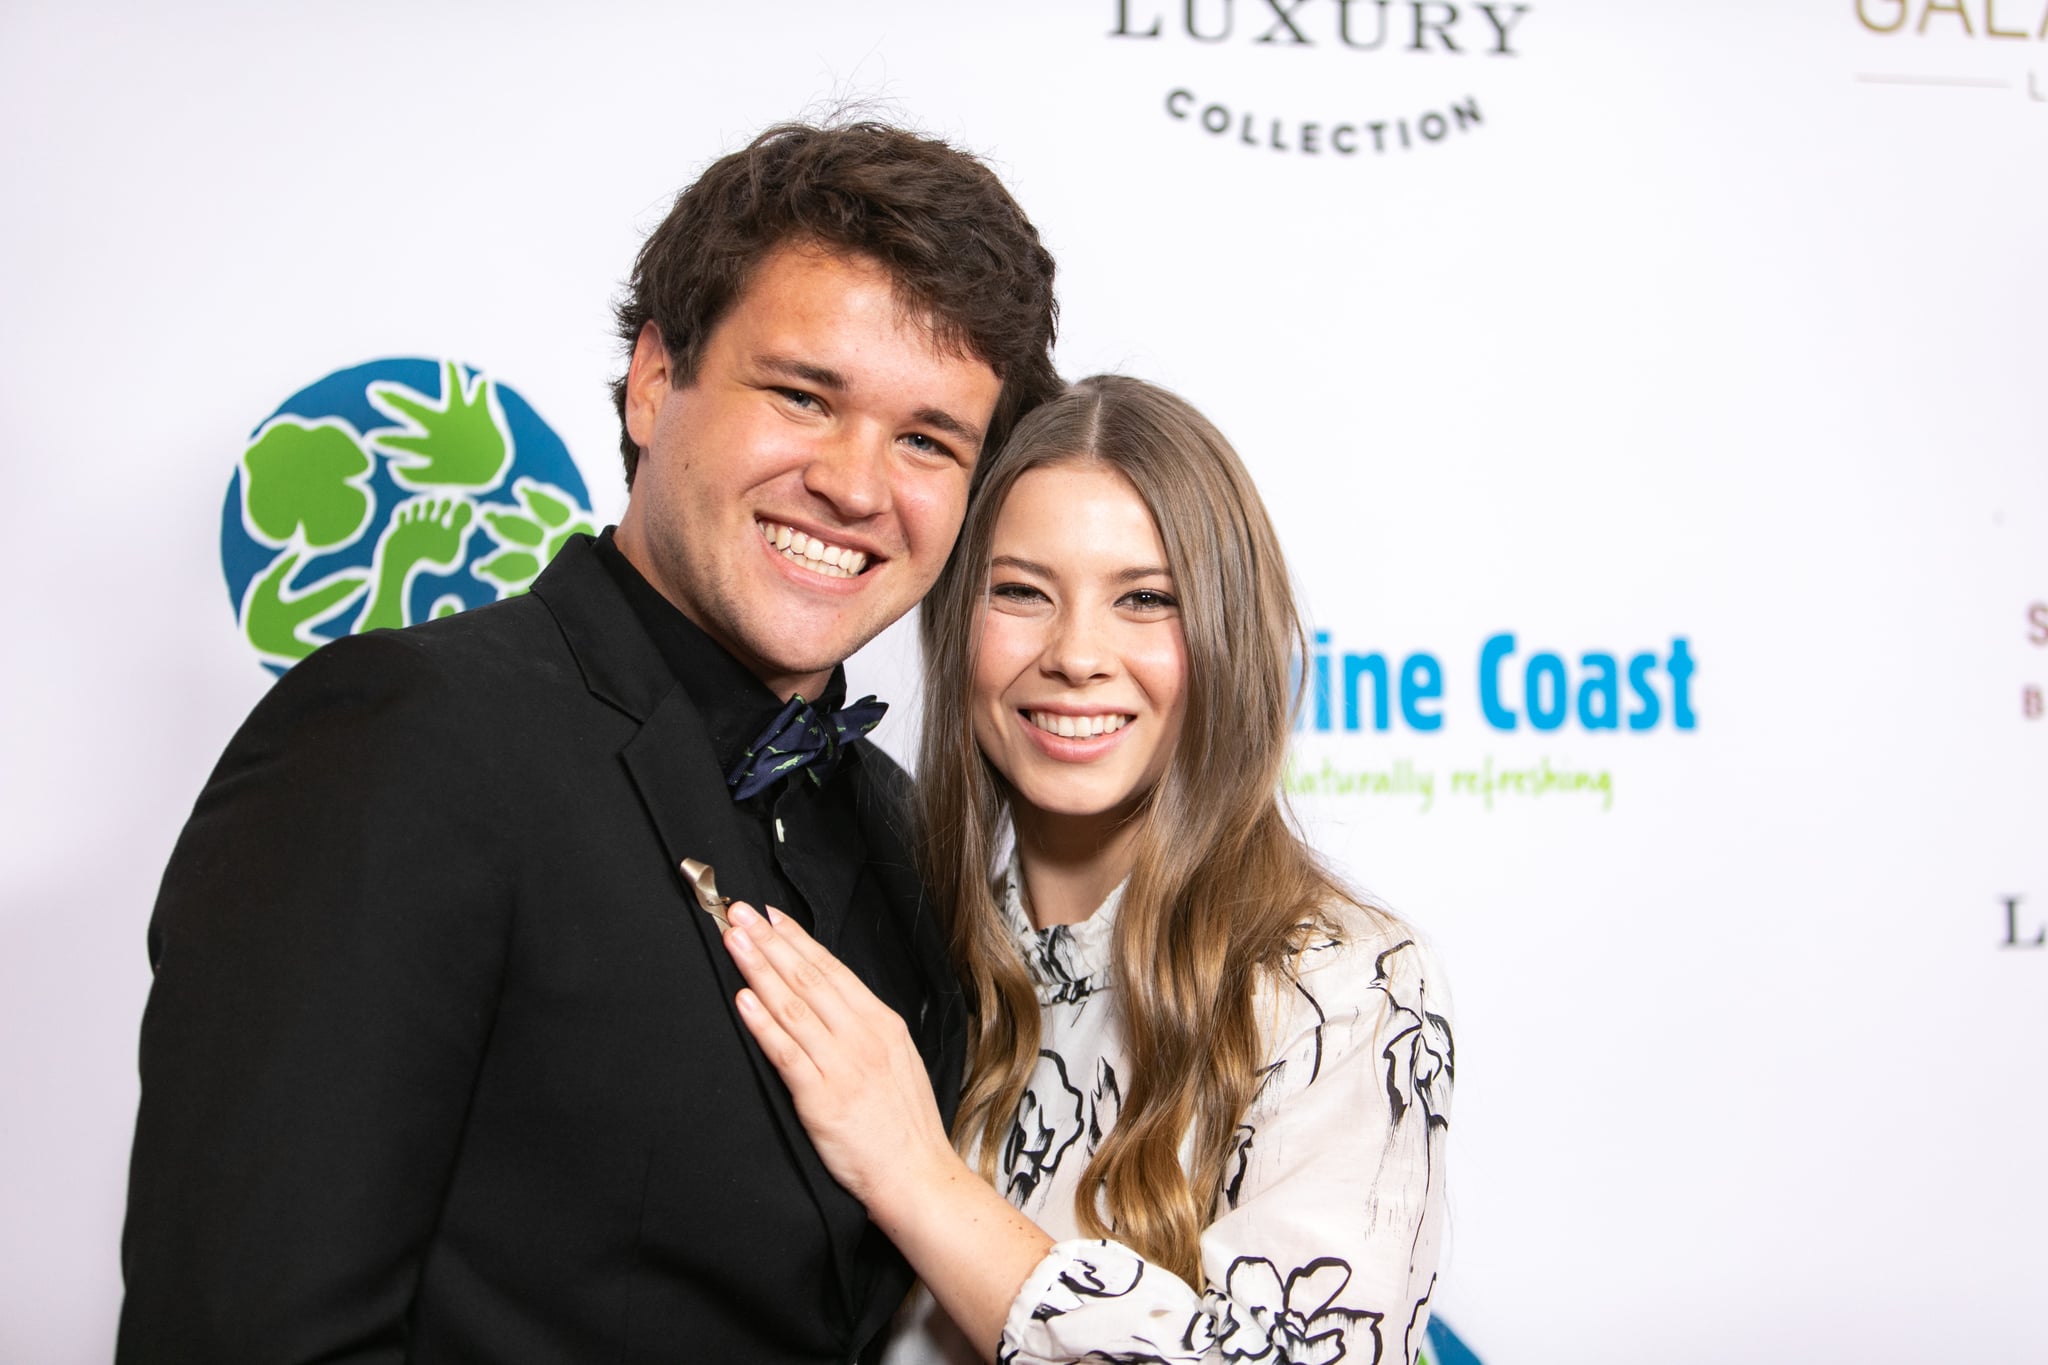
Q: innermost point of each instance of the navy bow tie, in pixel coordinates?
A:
(802, 738)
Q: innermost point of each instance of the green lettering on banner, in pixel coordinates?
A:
(1403, 780)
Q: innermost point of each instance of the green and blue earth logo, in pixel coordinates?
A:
(388, 494)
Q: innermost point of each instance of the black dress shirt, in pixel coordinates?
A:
(804, 829)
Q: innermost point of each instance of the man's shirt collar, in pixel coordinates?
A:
(736, 705)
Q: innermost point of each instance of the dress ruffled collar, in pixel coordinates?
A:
(1067, 961)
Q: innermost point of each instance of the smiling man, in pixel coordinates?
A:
(802, 490)
(441, 1061)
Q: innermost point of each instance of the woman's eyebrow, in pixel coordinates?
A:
(1023, 565)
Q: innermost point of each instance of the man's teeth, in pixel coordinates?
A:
(1076, 727)
(833, 561)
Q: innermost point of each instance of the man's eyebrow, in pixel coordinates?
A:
(821, 377)
(817, 376)
(965, 432)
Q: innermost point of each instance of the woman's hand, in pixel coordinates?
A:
(848, 1060)
(861, 1091)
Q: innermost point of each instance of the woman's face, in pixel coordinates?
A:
(1080, 680)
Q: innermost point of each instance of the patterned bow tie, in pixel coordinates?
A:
(803, 737)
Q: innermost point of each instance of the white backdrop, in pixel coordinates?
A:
(1719, 323)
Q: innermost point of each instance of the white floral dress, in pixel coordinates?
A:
(1325, 1236)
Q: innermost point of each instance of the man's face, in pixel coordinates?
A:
(804, 489)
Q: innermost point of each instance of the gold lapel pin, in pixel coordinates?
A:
(705, 883)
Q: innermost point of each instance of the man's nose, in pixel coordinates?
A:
(851, 472)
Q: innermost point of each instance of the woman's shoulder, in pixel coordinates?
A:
(1359, 978)
(1348, 948)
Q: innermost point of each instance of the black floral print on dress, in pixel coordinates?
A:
(1259, 1317)
(1421, 1060)
(1323, 1241)
(1048, 1122)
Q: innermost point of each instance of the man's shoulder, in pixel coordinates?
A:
(494, 644)
(478, 673)
(883, 796)
(515, 630)
(879, 771)
(881, 785)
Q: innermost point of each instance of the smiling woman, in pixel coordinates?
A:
(1079, 676)
(1209, 1088)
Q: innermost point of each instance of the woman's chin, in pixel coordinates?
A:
(1073, 804)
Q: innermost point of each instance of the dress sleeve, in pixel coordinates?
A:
(1325, 1240)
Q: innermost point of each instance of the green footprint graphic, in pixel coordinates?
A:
(274, 617)
(454, 444)
(422, 532)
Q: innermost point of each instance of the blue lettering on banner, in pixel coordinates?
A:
(1353, 692)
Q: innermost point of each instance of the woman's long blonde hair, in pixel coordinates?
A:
(1221, 887)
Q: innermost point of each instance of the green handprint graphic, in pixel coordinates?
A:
(306, 483)
(422, 531)
(457, 444)
(528, 541)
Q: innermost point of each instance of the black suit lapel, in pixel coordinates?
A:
(671, 765)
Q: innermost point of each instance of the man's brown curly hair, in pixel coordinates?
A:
(955, 245)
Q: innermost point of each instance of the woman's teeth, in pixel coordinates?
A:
(833, 561)
(1075, 727)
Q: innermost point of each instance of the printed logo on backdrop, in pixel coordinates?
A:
(1346, 109)
(2023, 929)
(1989, 45)
(1570, 699)
(1442, 1346)
(2034, 692)
(2026, 925)
(388, 494)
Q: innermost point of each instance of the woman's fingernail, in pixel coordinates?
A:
(741, 913)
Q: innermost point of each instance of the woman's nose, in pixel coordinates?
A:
(1078, 650)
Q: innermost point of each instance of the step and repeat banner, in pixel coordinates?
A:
(1653, 400)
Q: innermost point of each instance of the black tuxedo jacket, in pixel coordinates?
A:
(441, 1061)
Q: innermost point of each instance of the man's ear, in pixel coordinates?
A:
(647, 385)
